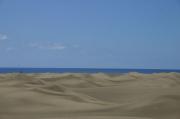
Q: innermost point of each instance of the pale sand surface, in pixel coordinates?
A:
(90, 96)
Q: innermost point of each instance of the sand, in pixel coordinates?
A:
(90, 96)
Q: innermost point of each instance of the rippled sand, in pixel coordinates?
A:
(90, 96)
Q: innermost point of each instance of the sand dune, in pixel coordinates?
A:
(90, 96)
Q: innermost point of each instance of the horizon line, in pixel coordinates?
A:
(93, 68)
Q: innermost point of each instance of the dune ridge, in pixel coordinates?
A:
(92, 96)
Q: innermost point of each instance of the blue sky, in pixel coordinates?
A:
(90, 33)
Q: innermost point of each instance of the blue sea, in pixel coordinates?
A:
(82, 70)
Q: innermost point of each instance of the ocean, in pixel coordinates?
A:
(83, 70)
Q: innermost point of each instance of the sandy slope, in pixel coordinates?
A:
(90, 96)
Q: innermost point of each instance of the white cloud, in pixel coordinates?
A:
(49, 46)
(3, 36)
(56, 47)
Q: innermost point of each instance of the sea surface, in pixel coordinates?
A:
(83, 70)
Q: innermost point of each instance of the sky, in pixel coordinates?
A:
(90, 33)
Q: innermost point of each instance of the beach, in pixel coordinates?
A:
(89, 96)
